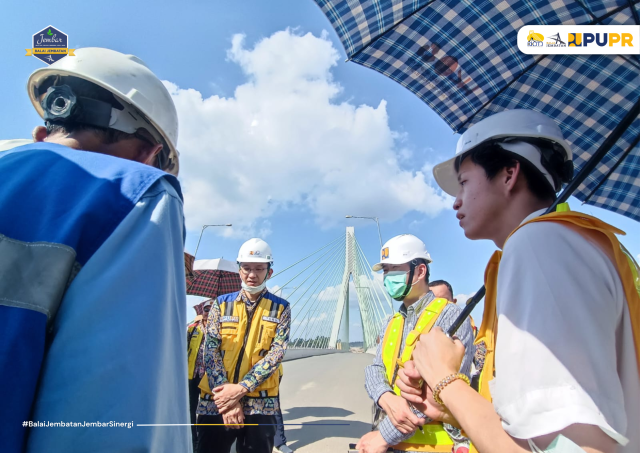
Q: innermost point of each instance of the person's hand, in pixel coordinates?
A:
(399, 412)
(436, 356)
(372, 442)
(234, 417)
(420, 395)
(410, 382)
(228, 395)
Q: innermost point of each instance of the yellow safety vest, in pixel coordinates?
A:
(195, 335)
(625, 264)
(246, 341)
(434, 438)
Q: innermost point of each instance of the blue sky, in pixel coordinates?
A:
(279, 135)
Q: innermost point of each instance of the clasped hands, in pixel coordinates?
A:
(227, 398)
(435, 357)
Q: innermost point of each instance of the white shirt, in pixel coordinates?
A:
(565, 351)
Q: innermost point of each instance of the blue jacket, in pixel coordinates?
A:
(62, 212)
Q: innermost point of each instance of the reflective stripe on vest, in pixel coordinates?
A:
(256, 341)
(434, 438)
(625, 265)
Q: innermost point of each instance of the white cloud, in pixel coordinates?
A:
(282, 140)
(463, 298)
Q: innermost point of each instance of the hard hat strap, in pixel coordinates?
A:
(412, 270)
(60, 104)
(553, 159)
(268, 269)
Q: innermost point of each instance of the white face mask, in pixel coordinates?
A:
(254, 289)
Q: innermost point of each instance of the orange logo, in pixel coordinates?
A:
(385, 253)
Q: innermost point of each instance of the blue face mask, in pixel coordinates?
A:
(395, 282)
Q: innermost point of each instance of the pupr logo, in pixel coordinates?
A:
(600, 39)
(385, 253)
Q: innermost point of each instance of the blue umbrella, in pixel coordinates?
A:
(461, 58)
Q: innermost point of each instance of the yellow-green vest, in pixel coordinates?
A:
(246, 341)
(434, 438)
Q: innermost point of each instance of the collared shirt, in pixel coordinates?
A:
(260, 372)
(376, 382)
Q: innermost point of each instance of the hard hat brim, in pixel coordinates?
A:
(446, 177)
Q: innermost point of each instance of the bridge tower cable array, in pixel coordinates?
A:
(323, 283)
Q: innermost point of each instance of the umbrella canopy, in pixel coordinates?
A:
(462, 59)
(211, 278)
(188, 266)
(216, 264)
(200, 308)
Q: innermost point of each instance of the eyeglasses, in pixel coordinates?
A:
(246, 270)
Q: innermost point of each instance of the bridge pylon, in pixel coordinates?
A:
(340, 330)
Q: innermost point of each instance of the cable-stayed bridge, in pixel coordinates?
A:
(329, 390)
(319, 287)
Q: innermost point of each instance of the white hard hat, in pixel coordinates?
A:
(505, 128)
(402, 249)
(255, 251)
(6, 145)
(131, 82)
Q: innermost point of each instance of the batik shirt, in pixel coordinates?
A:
(260, 372)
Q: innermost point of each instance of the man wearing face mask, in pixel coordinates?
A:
(405, 263)
(247, 335)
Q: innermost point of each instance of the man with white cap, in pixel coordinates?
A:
(92, 287)
(405, 263)
(560, 324)
(247, 336)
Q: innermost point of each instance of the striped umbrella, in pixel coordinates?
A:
(461, 58)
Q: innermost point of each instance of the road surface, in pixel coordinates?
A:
(325, 389)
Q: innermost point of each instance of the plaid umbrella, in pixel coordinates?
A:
(188, 266)
(462, 59)
(212, 278)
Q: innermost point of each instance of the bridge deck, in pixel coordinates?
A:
(325, 389)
